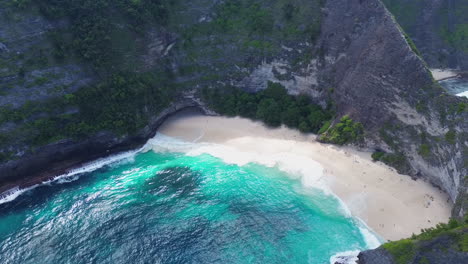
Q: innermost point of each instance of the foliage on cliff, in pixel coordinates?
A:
(442, 36)
(446, 239)
(136, 56)
(122, 103)
(273, 106)
(345, 131)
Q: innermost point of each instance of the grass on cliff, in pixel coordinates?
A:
(108, 36)
(404, 251)
(122, 103)
(345, 131)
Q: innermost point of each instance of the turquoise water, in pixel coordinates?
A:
(174, 208)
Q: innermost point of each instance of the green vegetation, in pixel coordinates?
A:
(424, 150)
(463, 242)
(450, 136)
(110, 39)
(406, 13)
(345, 131)
(404, 251)
(396, 160)
(273, 106)
(411, 43)
(457, 38)
(378, 155)
(123, 103)
(92, 23)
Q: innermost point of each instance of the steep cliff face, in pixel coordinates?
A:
(87, 78)
(348, 53)
(439, 28)
(377, 79)
(447, 247)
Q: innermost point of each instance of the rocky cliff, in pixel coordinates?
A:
(90, 78)
(439, 28)
(87, 80)
(445, 244)
(377, 79)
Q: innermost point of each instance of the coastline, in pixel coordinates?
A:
(379, 201)
(444, 74)
(59, 158)
(393, 205)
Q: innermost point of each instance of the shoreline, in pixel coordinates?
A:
(444, 74)
(393, 205)
(366, 197)
(64, 156)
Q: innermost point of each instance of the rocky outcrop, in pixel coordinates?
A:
(376, 256)
(359, 62)
(447, 248)
(58, 158)
(376, 78)
(439, 28)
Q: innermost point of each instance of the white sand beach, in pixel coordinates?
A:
(393, 205)
(442, 74)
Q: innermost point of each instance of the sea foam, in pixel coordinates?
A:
(72, 175)
(307, 170)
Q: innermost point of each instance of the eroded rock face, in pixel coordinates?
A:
(379, 81)
(442, 249)
(360, 61)
(439, 28)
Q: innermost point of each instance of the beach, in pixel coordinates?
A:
(442, 74)
(393, 205)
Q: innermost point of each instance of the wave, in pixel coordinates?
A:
(346, 257)
(73, 174)
(13, 193)
(465, 94)
(307, 170)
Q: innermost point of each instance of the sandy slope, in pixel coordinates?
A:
(393, 205)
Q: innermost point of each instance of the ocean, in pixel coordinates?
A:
(456, 86)
(170, 202)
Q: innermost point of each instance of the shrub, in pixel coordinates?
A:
(403, 251)
(424, 150)
(273, 106)
(345, 131)
(463, 242)
(451, 136)
(325, 127)
(377, 155)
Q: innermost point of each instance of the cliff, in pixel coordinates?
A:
(90, 78)
(93, 77)
(444, 244)
(439, 28)
(377, 79)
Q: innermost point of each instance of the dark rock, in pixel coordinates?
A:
(376, 256)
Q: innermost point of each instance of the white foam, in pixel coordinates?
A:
(71, 175)
(351, 256)
(307, 170)
(12, 194)
(465, 94)
(346, 257)
(301, 167)
(371, 240)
